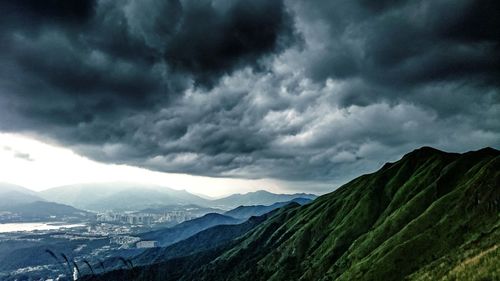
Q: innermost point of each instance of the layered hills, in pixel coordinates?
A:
(245, 212)
(429, 216)
(185, 229)
(119, 196)
(259, 197)
(136, 197)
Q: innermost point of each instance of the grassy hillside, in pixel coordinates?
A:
(430, 216)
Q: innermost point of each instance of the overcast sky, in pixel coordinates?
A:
(305, 93)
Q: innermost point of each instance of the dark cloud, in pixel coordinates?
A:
(129, 55)
(33, 12)
(306, 91)
(231, 35)
(399, 44)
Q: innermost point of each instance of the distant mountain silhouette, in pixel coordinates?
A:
(120, 196)
(136, 197)
(245, 212)
(260, 197)
(12, 195)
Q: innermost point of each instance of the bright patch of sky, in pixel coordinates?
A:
(37, 165)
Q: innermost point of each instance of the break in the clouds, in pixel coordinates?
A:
(315, 91)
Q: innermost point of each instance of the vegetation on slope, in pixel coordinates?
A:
(382, 226)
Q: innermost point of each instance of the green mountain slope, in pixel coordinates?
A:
(430, 216)
(382, 226)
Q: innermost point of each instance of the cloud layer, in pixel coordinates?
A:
(315, 91)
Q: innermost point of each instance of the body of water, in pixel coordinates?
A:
(32, 226)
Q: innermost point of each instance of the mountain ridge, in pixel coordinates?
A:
(259, 197)
(423, 215)
(245, 212)
(116, 196)
(11, 195)
(168, 236)
(136, 197)
(45, 211)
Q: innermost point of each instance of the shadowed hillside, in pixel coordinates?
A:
(184, 230)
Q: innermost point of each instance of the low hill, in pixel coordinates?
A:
(42, 210)
(429, 216)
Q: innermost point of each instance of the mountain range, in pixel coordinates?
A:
(119, 196)
(245, 212)
(260, 197)
(136, 197)
(22, 204)
(429, 216)
(206, 239)
(186, 229)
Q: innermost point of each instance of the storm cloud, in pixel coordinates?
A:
(304, 91)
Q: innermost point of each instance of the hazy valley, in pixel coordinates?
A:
(110, 225)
